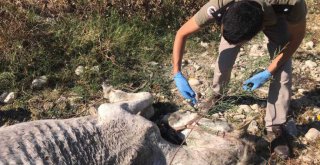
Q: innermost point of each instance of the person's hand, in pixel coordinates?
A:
(184, 87)
(256, 81)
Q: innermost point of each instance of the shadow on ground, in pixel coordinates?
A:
(13, 116)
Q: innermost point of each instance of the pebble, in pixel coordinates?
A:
(301, 91)
(204, 44)
(255, 107)
(194, 82)
(312, 135)
(310, 64)
(197, 67)
(244, 108)
(79, 70)
(10, 98)
(153, 63)
(39, 82)
(238, 117)
(309, 45)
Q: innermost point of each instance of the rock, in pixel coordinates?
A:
(194, 82)
(316, 110)
(204, 44)
(39, 83)
(244, 108)
(255, 107)
(79, 70)
(214, 126)
(215, 116)
(312, 135)
(197, 67)
(310, 64)
(10, 98)
(153, 63)
(179, 120)
(253, 128)
(302, 91)
(309, 45)
(238, 117)
(184, 62)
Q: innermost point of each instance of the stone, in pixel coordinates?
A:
(253, 128)
(153, 63)
(239, 117)
(316, 110)
(302, 91)
(310, 64)
(10, 98)
(255, 107)
(312, 135)
(194, 82)
(197, 67)
(79, 70)
(39, 83)
(244, 108)
(204, 44)
(309, 45)
(179, 120)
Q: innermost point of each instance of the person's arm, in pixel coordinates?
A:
(297, 32)
(187, 29)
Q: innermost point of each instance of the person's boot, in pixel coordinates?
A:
(208, 103)
(279, 142)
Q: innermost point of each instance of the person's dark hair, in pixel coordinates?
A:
(242, 21)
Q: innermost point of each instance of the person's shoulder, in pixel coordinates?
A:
(220, 3)
(284, 2)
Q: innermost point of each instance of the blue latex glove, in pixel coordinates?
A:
(184, 88)
(256, 81)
